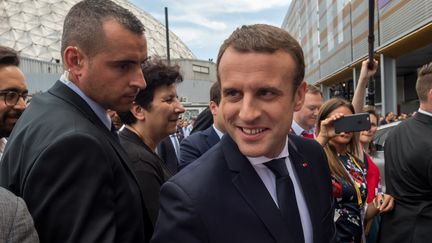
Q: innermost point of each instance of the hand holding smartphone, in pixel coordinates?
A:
(353, 123)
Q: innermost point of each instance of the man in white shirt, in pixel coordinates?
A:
(258, 184)
(305, 119)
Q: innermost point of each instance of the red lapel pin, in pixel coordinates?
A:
(305, 164)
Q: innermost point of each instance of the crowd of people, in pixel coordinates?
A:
(104, 156)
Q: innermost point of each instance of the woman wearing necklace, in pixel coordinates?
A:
(348, 171)
(153, 117)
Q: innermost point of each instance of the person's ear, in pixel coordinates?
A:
(73, 60)
(138, 112)
(299, 96)
(213, 108)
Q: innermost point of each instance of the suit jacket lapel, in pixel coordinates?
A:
(211, 137)
(304, 175)
(253, 190)
(66, 94)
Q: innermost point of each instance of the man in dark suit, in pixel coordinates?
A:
(257, 184)
(195, 145)
(408, 169)
(62, 157)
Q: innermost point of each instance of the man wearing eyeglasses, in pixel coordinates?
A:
(13, 93)
(16, 224)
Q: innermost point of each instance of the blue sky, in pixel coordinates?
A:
(203, 25)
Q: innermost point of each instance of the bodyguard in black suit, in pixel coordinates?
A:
(257, 184)
(408, 169)
(62, 158)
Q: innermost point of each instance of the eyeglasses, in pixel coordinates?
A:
(11, 97)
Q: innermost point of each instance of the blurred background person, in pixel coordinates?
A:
(153, 117)
(305, 119)
(192, 147)
(116, 121)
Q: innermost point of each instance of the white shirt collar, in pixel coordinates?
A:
(98, 109)
(218, 132)
(298, 130)
(263, 159)
(424, 112)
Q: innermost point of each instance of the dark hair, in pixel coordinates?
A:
(215, 94)
(8, 56)
(83, 25)
(265, 39)
(424, 81)
(156, 73)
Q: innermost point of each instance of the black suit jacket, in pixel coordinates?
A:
(166, 152)
(149, 169)
(195, 145)
(408, 170)
(72, 173)
(220, 198)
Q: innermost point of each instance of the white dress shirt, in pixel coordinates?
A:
(269, 180)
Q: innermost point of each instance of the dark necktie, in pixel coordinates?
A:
(307, 135)
(286, 198)
(114, 132)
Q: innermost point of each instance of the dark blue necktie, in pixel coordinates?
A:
(286, 198)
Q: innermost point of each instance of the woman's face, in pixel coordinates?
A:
(342, 138)
(367, 136)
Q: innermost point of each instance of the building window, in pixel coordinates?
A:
(200, 69)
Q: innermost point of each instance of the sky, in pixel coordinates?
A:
(204, 25)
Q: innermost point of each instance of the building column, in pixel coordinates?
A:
(325, 91)
(388, 84)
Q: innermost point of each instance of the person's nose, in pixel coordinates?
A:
(179, 107)
(138, 79)
(21, 104)
(249, 110)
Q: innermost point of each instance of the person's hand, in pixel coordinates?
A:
(384, 202)
(365, 72)
(327, 130)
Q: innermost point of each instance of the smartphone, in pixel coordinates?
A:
(353, 123)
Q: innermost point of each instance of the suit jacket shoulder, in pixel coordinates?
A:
(57, 148)
(221, 198)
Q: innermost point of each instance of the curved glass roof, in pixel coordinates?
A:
(34, 28)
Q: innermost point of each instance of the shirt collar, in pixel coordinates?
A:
(218, 132)
(263, 159)
(298, 130)
(98, 109)
(424, 112)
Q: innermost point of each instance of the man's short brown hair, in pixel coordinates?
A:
(312, 89)
(424, 81)
(83, 25)
(264, 38)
